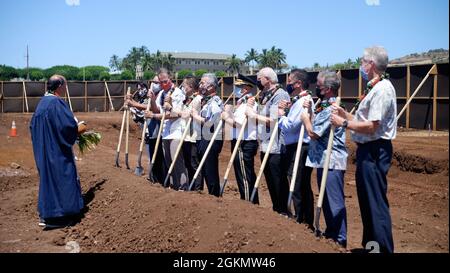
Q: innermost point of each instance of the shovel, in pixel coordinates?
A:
(121, 132)
(139, 169)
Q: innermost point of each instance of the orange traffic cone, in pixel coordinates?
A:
(13, 131)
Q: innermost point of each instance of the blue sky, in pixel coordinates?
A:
(89, 32)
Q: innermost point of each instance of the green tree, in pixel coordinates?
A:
(149, 75)
(185, 72)
(126, 75)
(84, 75)
(68, 71)
(135, 56)
(251, 58)
(233, 64)
(220, 74)
(8, 72)
(200, 72)
(95, 71)
(316, 66)
(115, 63)
(104, 76)
(36, 74)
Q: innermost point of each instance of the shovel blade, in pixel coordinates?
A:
(126, 162)
(139, 171)
(117, 160)
(317, 222)
(222, 188)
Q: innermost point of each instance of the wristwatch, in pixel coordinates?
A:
(345, 123)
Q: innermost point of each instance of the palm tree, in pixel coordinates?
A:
(115, 63)
(233, 63)
(168, 62)
(278, 57)
(264, 59)
(316, 66)
(251, 57)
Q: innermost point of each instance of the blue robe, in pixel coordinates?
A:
(53, 133)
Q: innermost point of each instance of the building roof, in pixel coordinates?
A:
(199, 55)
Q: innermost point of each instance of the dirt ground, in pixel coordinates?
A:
(127, 214)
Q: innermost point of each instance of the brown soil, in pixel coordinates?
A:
(127, 214)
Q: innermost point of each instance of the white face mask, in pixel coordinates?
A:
(156, 87)
(204, 88)
(237, 91)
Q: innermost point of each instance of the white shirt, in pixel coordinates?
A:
(379, 105)
(173, 128)
(250, 132)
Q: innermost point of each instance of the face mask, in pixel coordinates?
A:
(318, 93)
(290, 88)
(203, 89)
(364, 74)
(166, 86)
(237, 92)
(156, 87)
(260, 86)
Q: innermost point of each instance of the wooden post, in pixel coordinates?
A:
(109, 96)
(435, 89)
(86, 109)
(433, 71)
(232, 90)
(408, 94)
(104, 98)
(3, 106)
(221, 88)
(68, 96)
(359, 85)
(25, 95)
(340, 86)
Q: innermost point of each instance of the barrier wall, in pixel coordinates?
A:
(428, 109)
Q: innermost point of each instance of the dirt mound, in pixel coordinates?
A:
(124, 213)
(419, 164)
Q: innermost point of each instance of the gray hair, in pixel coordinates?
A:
(268, 73)
(212, 79)
(378, 55)
(330, 80)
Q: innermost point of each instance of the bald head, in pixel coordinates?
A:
(56, 84)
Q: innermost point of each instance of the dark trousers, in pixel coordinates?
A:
(246, 155)
(373, 161)
(191, 162)
(277, 184)
(210, 170)
(334, 209)
(302, 197)
(159, 169)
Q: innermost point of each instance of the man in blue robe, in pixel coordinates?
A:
(54, 131)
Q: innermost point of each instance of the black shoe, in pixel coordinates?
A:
(58, 222)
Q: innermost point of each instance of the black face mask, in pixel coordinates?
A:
(260, 86)
(290, 88)
(320, 96)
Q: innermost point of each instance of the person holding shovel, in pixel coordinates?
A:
(272, 95)
(290, 125)
(189, 152)
(243, 163)
(373, 127)
(209, 117)
(319, 130)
